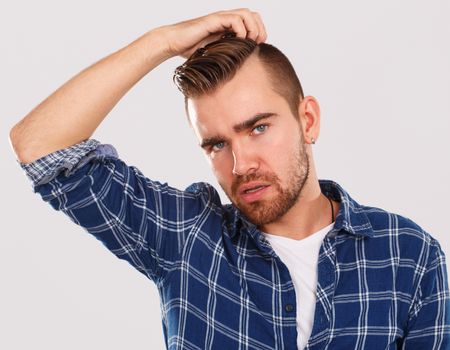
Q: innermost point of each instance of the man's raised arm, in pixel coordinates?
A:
(73, 112)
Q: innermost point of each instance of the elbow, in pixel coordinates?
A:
(13, 138)
(15, 144)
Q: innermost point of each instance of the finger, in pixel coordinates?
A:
(235, 23)
(251, 24)
(260, 29)
(262, 36)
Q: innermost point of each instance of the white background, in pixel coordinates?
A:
(380, 70)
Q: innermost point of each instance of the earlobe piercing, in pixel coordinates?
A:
(313, 141)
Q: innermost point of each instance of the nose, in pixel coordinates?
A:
(244, 162)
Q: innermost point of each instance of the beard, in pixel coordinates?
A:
(266, 211)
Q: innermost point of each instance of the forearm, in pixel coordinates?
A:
(74, 111)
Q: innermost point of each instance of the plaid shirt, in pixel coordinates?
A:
(382, 280)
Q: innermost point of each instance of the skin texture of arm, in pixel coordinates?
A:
(73, 112)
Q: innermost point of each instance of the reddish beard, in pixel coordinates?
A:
(272, 207)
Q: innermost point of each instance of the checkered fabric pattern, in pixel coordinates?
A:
(382, 280)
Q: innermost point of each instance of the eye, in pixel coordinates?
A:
(218, 146)
(261, 128)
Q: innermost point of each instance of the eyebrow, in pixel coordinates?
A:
(242, 126)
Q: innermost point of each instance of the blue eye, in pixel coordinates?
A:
(261, 128)
(217, 144)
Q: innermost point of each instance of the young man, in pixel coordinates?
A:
(293, 261)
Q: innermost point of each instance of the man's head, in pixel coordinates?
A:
(246, 106)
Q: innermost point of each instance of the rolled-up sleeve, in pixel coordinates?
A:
(142, 221)
(429, 324)
(67, 160)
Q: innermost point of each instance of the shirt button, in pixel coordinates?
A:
(289, 307)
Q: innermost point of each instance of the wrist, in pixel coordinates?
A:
(157, 42)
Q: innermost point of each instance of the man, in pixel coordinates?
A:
(293, 261)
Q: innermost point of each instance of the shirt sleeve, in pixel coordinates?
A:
(139, 220)
(429, 323)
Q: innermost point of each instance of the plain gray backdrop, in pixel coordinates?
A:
(380, 71)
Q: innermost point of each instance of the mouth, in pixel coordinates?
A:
(254, 193)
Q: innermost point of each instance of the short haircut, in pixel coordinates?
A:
(217, 62)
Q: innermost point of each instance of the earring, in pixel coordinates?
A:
(313, 141)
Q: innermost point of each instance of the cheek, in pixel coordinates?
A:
(222, 169)
(281, 152)
(277, 149)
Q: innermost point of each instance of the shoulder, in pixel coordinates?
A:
(207, 192)
(384, 221)
(394, 224)
(204, 189)
(399, 231)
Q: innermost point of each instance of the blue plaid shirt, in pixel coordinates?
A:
(382, 280)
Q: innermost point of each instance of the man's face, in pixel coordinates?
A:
(268, 152)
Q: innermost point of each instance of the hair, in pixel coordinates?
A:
(216, 63)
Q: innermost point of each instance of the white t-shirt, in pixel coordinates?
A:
(301, 257)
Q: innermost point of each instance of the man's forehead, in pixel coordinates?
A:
(229, 106)
(205, 113)
(206, 121)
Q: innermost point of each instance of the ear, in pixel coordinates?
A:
(309, 114)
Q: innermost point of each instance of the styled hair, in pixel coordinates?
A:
(217, 62)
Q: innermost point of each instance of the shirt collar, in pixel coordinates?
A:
(350, 218)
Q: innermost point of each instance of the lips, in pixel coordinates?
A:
(254, 192)
(244, 189)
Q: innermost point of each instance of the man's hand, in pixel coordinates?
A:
(185, 37)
